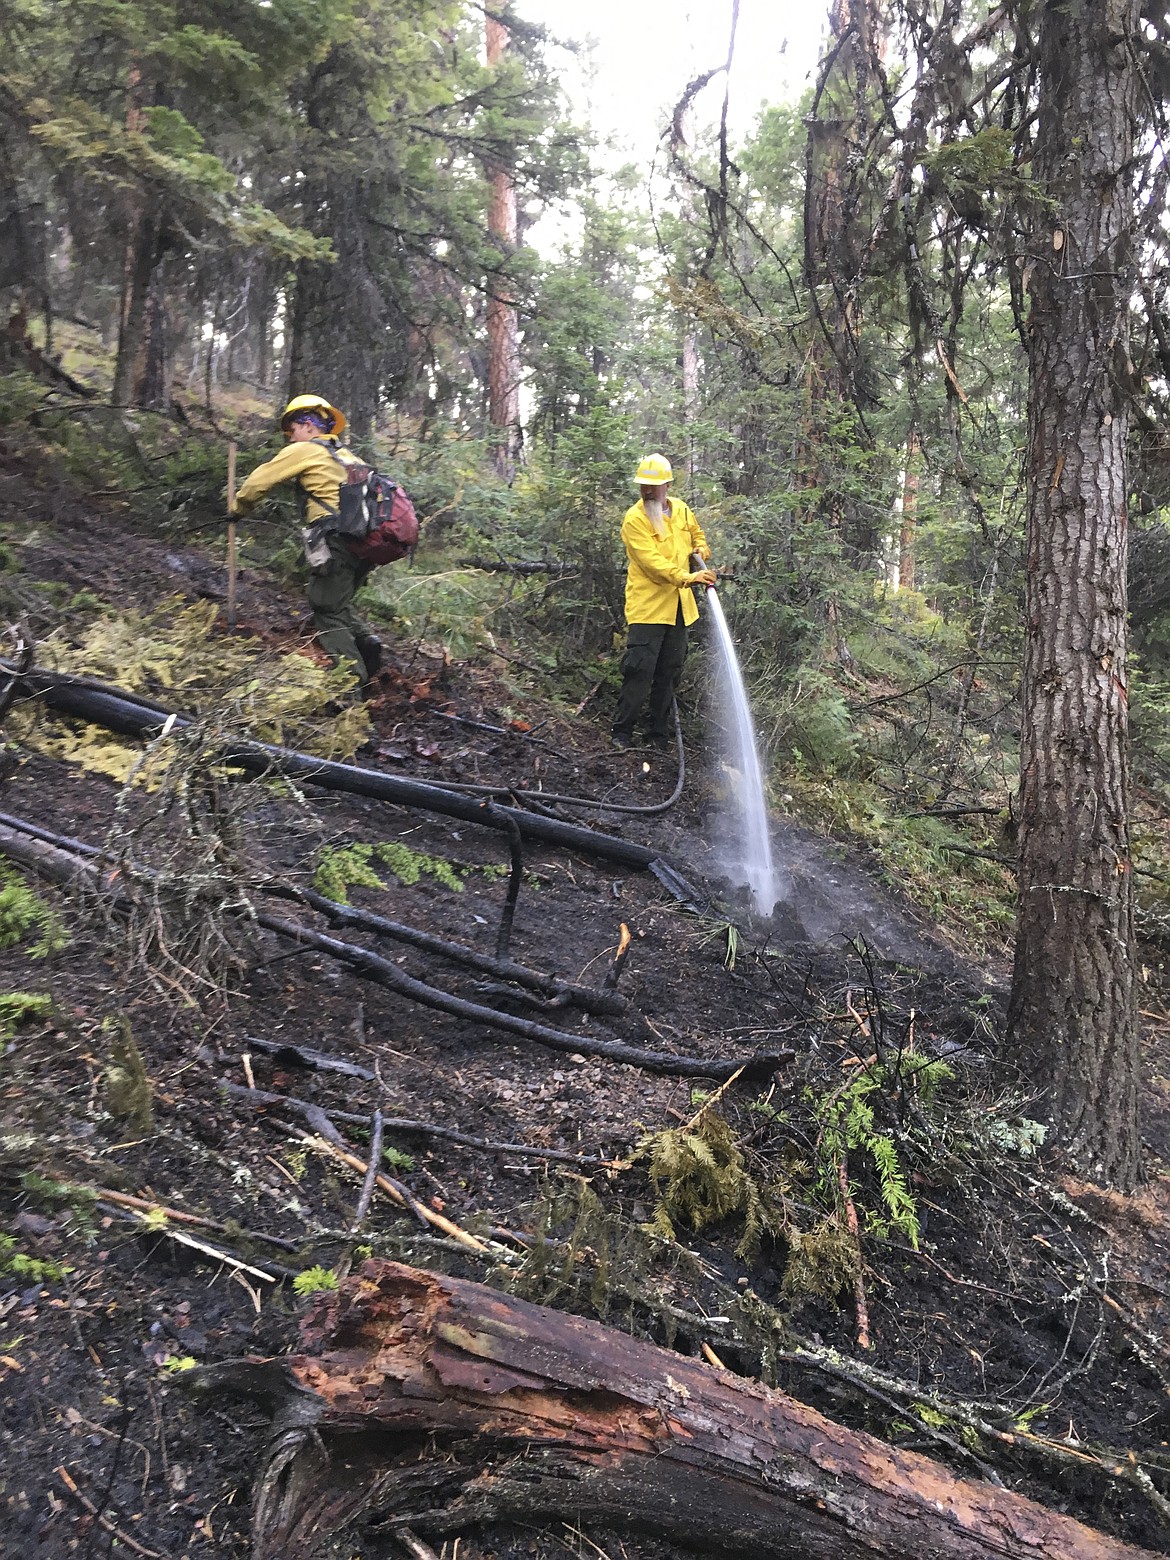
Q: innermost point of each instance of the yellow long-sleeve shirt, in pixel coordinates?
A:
(306, 462)
(658, 565)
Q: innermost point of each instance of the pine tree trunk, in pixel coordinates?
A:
(1072, 1008)
(503, 326)
(152, 379)
(144, 257)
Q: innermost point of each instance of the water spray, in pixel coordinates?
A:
(756, 866)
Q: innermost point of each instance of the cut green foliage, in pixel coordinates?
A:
(700, 1176)
(174, 653)
(313, 1280)
(341, 867)
(23, 911)
(396, 1159)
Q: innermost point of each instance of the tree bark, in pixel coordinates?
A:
(503, 326)
(153, 375)
(435, 1404)
(1071, 1013)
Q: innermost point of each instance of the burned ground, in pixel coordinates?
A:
(1039, 1304)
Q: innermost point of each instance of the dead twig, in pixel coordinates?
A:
(613, 974)
(176, 1215)
(711, 1100)
(399, 1194)
(303, 1056)
(590, 696)
(104, 1522)
(261, 1097)
(515, 877)
(363, 1203)
(204, 1248)
(414, 1545)
(859, 1298)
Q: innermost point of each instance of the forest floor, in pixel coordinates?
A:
(1040, 1303)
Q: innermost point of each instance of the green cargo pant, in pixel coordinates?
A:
(331, 590)
(651, 668)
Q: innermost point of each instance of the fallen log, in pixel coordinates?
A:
(567, 992)
(129, 716)
(371, 966)
(65, 867)
(590, 1001)
(435, 1404)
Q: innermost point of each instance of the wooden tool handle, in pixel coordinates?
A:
(231, 553)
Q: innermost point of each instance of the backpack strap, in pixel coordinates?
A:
(331, 446)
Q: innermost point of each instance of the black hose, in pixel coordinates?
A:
(127, 714)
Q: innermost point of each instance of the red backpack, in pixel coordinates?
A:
(373, 513)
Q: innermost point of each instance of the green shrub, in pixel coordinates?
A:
(18, 1007)
(341, 867)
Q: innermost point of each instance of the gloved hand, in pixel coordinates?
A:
(704, 553)
(701, 577)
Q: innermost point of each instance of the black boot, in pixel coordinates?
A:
(370, 648)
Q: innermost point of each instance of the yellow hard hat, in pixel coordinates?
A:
(315, 403)
(653, 471)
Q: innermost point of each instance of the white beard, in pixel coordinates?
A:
(655, 510)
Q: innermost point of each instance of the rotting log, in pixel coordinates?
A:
(129, 716)
(435, 1404)
(69, 869)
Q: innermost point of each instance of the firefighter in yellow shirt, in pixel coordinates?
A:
(314, 459)
(660, 533)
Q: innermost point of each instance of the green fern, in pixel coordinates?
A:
(343, 867)
(896, 1195)
(847, 1123)
(407, 865)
